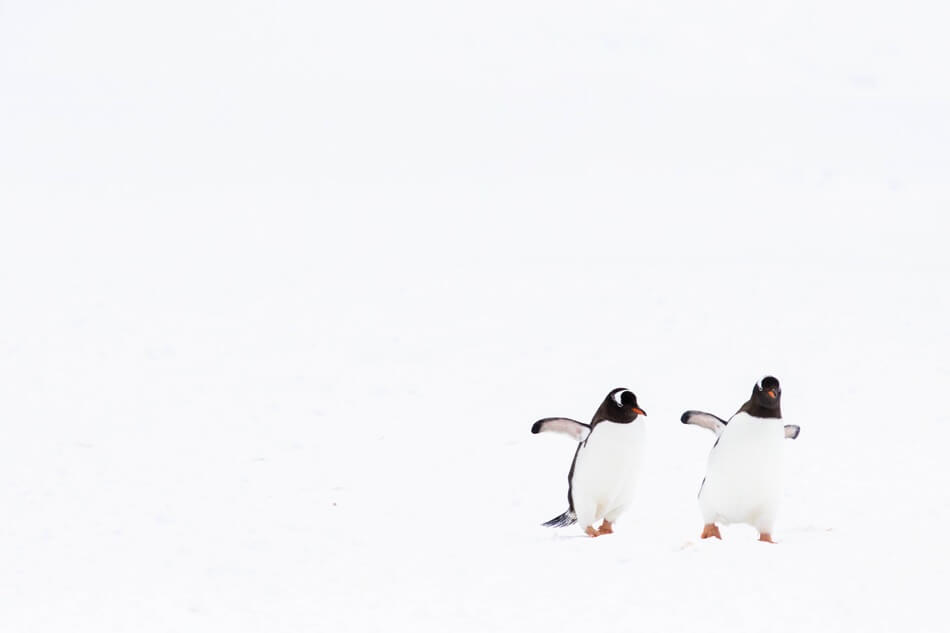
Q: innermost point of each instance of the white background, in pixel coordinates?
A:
(283, 286)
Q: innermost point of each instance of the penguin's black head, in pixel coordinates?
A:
(767, 393)
(620, 405)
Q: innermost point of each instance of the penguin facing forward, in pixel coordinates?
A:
(743, 482)
(603, 475)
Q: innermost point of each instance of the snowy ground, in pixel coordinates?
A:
(284, 287)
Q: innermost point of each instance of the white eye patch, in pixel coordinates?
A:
(758, 385)
(616, 397)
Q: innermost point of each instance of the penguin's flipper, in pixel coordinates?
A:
(577, 430)
(705, 420)
(562, 520)
(791, 431)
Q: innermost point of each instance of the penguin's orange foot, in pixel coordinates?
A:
(765, 537)
(605, 528)
(590, 530)
(710, 530)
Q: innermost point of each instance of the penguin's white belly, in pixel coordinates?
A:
(744, 475)
(605, 473)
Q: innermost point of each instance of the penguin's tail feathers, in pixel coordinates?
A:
(563, 520)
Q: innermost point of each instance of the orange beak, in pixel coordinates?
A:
(639, 410)
(772, 393)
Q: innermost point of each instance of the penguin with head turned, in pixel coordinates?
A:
(600, 484)
(743, 482)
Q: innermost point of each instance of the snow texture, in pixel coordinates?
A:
(284, 286)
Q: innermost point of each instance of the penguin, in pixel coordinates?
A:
(743, 482)
(601, 481)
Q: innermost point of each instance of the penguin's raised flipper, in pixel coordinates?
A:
(705, 420)
(577, 430)
(791, 431)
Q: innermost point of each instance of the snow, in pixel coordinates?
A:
(286, 284)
